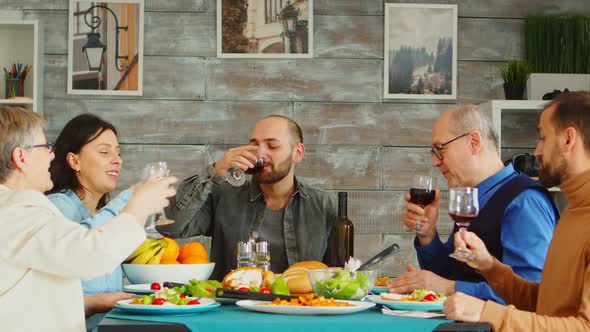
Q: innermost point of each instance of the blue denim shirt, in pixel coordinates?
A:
(527, 229)
(73, 208)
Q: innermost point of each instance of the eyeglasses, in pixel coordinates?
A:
(48, 145)
(437, 149)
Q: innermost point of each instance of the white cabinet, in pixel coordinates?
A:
(22, 43)
(495, 108)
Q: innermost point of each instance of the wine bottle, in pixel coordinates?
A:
(341, 243)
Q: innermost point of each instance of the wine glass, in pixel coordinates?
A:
(237, 177)
(422, 193)
(156, 169)
(463, 208)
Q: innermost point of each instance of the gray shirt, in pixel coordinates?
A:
(210, 206)
(272, 231)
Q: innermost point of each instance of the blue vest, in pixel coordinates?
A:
(488, 224)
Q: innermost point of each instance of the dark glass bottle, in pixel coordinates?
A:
(341, 243)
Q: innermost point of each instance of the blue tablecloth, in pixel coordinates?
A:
(230, 318)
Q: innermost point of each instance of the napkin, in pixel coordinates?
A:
(412, 313)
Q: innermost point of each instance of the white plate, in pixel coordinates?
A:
(406, 305)
(138, 289)
(167, 309)
(300, 310)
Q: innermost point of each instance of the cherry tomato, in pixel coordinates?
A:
(155, 286)
(430, 297)
(159, 301)
(265, 290)
(192, 302)
(211, 291)
(182, 296)
(243, 289)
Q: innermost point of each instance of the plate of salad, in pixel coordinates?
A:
(167, 301)
(419, 299)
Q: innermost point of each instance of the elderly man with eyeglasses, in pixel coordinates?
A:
(516, 219)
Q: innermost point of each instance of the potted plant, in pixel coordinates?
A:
(515, 73)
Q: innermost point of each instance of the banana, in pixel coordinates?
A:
(146, 245)
(145, 256)
(158, 256)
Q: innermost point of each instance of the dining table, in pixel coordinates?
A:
(231, 318)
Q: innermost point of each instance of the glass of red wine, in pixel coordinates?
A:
(422, 193)
(237, 177)
(463, 208)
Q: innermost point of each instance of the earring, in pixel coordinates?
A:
(77, 169)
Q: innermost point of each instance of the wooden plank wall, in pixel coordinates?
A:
(195, 105)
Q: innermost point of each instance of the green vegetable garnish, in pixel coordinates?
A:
(279, 287)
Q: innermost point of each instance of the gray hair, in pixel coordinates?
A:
(466, 118)
(17, 128)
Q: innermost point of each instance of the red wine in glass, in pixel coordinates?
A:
(421, 197)
(258, 167)
(463, 220)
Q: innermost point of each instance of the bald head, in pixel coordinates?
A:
(293, 128)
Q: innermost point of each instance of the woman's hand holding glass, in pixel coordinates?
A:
(155, 171)
(150, 197)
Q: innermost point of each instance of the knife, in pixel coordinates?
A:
(379, 257)
(241, 295)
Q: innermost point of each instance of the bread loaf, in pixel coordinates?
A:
(248, 276)
(296, 276)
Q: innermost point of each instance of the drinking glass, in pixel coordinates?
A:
(422, 193)
(463, 208)
(156, 169)
(237, 177)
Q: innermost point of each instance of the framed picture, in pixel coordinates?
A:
(265, 28)
(420, 60)
(105, 47)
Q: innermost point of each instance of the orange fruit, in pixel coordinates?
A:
(193, 249)
(194, 260)
(171, 251)
(169, 261)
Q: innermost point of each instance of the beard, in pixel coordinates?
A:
(551, 175)
(276, 175)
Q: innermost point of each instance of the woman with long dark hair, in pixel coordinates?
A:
(85, 170)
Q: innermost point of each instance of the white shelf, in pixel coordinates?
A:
(23, 42)
(495, 107)
(16, 101)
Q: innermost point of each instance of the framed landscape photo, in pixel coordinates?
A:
(105, 47)
(420, 60)
(265, 28)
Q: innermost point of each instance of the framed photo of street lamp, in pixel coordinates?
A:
(265, 28)
(105, 47)
(420, 60)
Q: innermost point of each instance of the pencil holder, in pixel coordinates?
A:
(14, 88)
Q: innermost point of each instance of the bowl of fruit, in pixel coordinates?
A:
(160, 260)
(342, 284)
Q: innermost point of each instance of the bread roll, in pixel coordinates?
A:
(248, 276)
(296, 276)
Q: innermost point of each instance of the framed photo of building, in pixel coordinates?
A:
(105, 47)
(420, 60)
(265, 28)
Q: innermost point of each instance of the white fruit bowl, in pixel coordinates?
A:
(148, 273)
